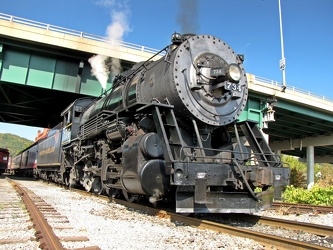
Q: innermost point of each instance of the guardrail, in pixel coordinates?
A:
(130, 46)
(289, 87)
(62, 30)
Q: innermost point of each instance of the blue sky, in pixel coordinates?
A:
(250, 27)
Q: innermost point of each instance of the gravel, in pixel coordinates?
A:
(14, 220)
(113, 226)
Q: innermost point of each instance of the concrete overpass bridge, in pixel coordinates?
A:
(44, 67)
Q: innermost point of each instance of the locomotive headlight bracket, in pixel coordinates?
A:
(234, 72)
(277, 177)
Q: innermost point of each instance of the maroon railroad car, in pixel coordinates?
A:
(4, 157)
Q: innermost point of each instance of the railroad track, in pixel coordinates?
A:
(267, 240)
(42, 216)
(15, 227)
(286, 207)
(288, 224)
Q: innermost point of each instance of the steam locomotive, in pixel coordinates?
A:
(168, 131)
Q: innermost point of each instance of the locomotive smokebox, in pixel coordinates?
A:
(202, 78)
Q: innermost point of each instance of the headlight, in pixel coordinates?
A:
(234, 72)
(179, 174)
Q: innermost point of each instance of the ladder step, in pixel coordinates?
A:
(169, 125)
(175, 143)
(164, 116)
(258, 143)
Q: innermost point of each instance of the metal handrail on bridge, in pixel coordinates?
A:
(76, 33)
(130, 46)
(280, 85)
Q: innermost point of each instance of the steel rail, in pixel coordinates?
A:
(288, 224)
(44, 232)
(305, 208)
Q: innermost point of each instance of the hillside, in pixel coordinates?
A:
(14, 143)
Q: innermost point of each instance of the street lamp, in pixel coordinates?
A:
(283, 60)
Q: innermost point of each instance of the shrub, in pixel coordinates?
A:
(324, 175)
(297, 178)
(316, 196)
(297, 172)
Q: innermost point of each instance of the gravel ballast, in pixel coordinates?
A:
(113, 226)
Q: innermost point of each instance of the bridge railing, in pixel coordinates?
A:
(130, 46)
(63, 30)
(302, 91)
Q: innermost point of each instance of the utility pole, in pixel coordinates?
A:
(283, 60)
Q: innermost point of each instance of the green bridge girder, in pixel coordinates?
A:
(27, 65)
(302, 110)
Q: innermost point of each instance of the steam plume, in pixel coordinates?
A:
(187, 16)
(99, 69)
(102, 65)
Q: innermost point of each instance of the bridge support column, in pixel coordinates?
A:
(310, 165)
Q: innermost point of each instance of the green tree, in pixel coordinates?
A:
(14, 143)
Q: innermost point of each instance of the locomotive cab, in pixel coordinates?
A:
(71, 118)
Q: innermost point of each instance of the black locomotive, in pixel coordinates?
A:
(168, 130)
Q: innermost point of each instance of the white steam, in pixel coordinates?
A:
(101, 65)
(115, 33)
(99, 69)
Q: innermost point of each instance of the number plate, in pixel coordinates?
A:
(217, 72)
(232, 86)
